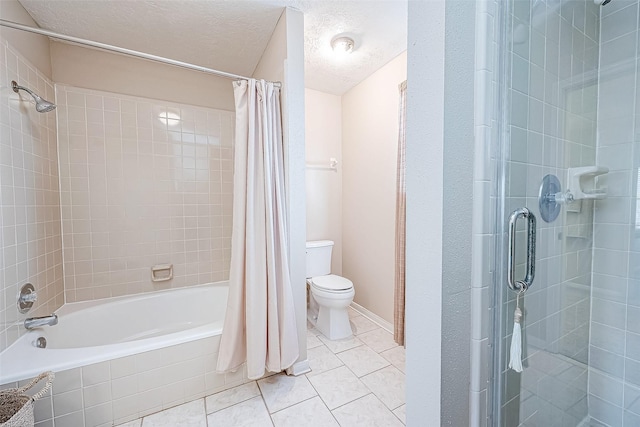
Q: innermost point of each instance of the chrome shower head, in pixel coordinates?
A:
(42, 105)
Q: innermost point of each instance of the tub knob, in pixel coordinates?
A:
(27, 298)
(41, 342)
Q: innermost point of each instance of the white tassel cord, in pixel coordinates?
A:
(515, 353)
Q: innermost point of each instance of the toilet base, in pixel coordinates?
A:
(334, 323)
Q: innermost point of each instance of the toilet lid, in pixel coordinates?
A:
(332, 282)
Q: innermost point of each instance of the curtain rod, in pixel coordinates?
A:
(122, 50)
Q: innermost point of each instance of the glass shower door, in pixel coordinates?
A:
(569, 98)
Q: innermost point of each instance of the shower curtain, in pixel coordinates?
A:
(401, 207)
(260, 326)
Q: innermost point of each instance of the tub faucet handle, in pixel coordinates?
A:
(26, 298)
(31, 297)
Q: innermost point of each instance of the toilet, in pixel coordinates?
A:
(329, 295)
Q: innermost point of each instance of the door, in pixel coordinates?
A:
(568, 90)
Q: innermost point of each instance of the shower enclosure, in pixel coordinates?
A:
(568, 96)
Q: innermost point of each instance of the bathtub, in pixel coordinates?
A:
(94, 331)
(122, 358)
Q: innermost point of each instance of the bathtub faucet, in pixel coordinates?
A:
(36, 322)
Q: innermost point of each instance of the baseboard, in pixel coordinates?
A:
(299, 368)
(373, 317)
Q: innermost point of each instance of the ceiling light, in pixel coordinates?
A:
(342, 44)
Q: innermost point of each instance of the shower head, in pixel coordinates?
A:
(42, 105)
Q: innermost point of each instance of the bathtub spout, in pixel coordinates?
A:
(36, 322)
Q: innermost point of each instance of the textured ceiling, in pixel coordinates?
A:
(230, 35)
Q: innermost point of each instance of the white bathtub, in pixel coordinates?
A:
(95, 331)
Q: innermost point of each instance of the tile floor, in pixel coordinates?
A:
(358, 381)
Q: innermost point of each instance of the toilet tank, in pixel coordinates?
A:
(319, 258)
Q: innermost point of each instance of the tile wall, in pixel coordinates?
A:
(30, 238)
(614, 374)
(143, 182)
(123, 389)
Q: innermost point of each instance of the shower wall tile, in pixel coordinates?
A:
(143, 182)
(616, 224)
(30, 235)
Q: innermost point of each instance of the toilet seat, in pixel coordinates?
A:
(332, 283)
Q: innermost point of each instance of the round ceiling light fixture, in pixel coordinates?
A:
(342, 45)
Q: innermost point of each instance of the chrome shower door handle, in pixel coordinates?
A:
(517, 285)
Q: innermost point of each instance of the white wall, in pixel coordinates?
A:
(369, 150)
(323, 140)
(95, 69)
(425, 147)
(35, 48)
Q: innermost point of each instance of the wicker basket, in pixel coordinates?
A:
(16, 407)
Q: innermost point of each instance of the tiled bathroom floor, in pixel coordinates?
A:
(354, 382)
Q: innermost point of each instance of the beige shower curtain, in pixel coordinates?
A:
(398, 311)
(260, 326)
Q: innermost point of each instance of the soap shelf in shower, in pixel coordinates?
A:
(161, 272)
(582, 182)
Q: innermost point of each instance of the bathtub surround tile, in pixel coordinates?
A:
(96, 373)
(213, 382)
(150, 402)
(98, 415)
(172, 395)
(135, 423)
(125, 409)
(29, 197)
(75, 419)
(148, 360)
(337, 346)
(123, 366)
(362, 360)
(190, 414)
(43, 409)
(125, 386)
(366, 411)
(66, 403)
(185, 174)
(250, 413)
(230, 397)
(194, 387)
(97, 394)
(379, 340)
(150, 380)
(338, 386)
(321, 359)
(388, 386)
(310, 413)
(280, 391)
(67, 381)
